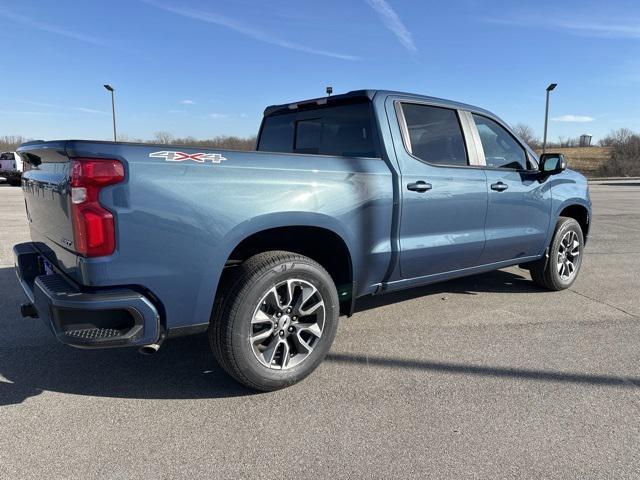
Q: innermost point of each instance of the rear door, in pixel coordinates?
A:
(519, 209)
(444, 192)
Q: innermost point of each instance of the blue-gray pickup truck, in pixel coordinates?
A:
(350, 195)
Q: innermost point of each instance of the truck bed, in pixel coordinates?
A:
(180, 212)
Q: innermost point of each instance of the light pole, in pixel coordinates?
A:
(113, 109)
(546, 116)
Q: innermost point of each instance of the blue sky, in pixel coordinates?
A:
(206, 68)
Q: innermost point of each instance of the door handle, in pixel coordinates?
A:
(499, 187)
(419, 186)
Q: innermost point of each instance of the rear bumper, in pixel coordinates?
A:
(97, 319)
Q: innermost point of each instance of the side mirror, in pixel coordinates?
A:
(552, 163)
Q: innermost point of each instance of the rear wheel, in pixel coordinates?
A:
(14, 182)
(560, 270)
(275, 320)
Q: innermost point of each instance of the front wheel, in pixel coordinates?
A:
(275, 320)
(560, 270)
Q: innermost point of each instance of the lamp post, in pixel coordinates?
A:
(546, 116)
(113, 109)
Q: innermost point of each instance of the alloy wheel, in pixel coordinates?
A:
(287, 324)
(568, 259)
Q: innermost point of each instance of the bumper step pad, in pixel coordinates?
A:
(93, 333)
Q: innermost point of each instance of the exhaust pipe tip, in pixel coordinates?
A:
(149, 349)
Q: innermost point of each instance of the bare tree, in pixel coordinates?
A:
(163, 138)
(123, 137)
(625, 153)
(526, 133)
(11, 142)
(621, 135)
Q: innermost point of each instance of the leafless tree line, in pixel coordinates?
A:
(624, 143)
(625, 153)
(224, 141)
(526, 133)
(12, 142)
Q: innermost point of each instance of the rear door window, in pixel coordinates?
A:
(435, 134)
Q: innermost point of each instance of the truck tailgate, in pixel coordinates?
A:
(47, 200)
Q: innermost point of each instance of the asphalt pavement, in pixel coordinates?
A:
(483, 377)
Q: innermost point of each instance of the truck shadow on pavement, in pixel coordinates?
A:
(32, 361)
(466, 369)
(183, 369)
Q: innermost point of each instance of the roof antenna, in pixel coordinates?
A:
(329, 91)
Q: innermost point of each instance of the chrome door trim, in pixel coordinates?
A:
(404, 130)
(472, 137)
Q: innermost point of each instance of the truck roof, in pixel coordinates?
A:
(361, 95)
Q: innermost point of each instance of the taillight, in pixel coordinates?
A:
(93, 226)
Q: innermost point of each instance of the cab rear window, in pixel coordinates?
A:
(344, 130)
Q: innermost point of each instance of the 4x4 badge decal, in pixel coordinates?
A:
(181, 156)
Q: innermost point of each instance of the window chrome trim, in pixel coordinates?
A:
(404, 130)
(472, 139)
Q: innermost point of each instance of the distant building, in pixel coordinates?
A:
(585, 140)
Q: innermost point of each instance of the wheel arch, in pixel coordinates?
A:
(579, 213)
(319, 238)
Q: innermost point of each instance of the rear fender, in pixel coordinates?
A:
(208, 288)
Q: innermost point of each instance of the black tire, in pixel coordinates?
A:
(14, 182)
(545, 272)
(231, 321)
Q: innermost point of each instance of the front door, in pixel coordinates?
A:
(519, 204)
(444, 196)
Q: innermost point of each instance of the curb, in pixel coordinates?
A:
(609, 179)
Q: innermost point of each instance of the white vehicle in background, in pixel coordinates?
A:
(11, 167)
